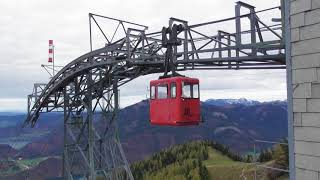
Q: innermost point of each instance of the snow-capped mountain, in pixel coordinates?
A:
(241, 101)
(223, 102)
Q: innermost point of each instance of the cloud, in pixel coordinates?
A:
(26, 26)
(13, 104)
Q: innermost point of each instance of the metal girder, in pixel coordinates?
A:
(86, 88)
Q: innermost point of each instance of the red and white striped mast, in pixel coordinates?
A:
(51, 55)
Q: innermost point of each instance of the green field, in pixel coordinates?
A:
(221, 167)
(224, 168)
(16, 166)
(31, 162)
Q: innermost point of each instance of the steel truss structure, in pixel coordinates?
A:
(86, 89)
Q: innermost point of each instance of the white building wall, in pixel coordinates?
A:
(305, 56)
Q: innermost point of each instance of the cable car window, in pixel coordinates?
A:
(162, 91)
(173, 88)
(186, 90)
(195, 91)
(153, 92)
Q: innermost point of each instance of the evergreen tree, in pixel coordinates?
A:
(281, 155)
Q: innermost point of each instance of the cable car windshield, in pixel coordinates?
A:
(186, 90)
(162, 92)
(190, 90)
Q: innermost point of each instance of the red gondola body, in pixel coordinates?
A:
(175, 101)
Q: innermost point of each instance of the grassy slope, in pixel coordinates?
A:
(221, 167)
(21, 165)
(31, 162)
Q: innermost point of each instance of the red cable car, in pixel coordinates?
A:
(175, 101)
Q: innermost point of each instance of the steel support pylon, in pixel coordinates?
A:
(91, 141)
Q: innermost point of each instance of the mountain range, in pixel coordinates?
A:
(236, 123)
(232, 122)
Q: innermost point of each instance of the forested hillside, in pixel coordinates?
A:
(184, 161)
(179, 162)
(207, 160)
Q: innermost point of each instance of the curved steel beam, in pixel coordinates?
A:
(136, 55)
(104, 59)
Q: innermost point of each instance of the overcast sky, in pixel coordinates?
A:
(26, 27)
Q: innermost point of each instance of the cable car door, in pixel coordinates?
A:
(163, 103)
(174, 104)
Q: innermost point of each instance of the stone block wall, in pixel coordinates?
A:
(305, 58)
